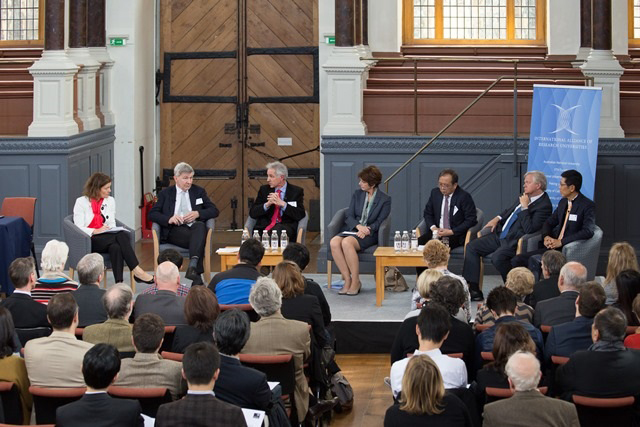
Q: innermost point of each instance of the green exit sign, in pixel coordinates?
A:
(117, 41)
(330, 39)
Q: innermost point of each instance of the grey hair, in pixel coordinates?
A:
(265, 297)
(90, 267)
(523, 369)
(540, 178)
(181, 168)
(279, 168)
(573, 274)
(117, 301)
(54, 255)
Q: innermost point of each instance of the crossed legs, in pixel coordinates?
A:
(344, 251)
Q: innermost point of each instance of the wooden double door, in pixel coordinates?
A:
(238, 75)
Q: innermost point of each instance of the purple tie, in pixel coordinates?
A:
(445, 218)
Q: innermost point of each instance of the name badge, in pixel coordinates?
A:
(573, 217)
(294, 204)
(199, 201)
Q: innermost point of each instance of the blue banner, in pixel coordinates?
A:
(565, 123)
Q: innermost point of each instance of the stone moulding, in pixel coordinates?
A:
(57, 145)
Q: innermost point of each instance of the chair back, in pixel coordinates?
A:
(27, 334)
(487, 355)
(79, 332)
(169, 355)
(47, 400)
(497, 393)
(632, 330)
(24, 207)
(545, 329)
(167, 343)
(481, 327)
(11, 407)
(150, 398)
(585, 252)
(593, 411)
(559, 360)
(253, 316)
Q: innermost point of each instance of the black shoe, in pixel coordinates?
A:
(322, 406)
(148, 282)
(476, 295)
(197, 281)
(192, 273)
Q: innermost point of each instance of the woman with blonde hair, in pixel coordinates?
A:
(53, 279)
(622, 257)
(421, 292)
(520, 280)
(424, 401)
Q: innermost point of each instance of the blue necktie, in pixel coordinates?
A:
(509, 223)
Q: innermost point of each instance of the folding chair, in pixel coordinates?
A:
(47, 400)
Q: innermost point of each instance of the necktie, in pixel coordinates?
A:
(184, 206)
(564, 224)
(509, 223)
(277, 215)
(445, 214)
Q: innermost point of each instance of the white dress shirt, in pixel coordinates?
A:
(176, 208)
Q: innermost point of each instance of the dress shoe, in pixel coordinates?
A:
(192, 273)
(322, 406)
(476, 295)
(148, 282)
(197, 281)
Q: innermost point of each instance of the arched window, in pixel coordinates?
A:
(474, 22)
(21, 22)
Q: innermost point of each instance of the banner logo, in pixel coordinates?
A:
(564, 119)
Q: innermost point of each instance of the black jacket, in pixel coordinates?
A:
(544, 289)
(529, 220)
(465, 213)
(90, 307)
(291, 215)
(100, 410)
(580, 225)
(26, 312)
(242, 386)
(554, 311)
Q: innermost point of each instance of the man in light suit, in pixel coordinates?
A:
(200, 408)
(279, 204)
(89, 294)
(56, 360)
(100, 368)
(561, 309)
(116, 330)
(25, 311)
(527, 406)
(166, 303)
(182, 211)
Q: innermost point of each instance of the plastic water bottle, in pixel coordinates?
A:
(274, 240)
(256, 235)
(445, 240)
(414, 241)
(397, 242)
(405, 241)
(434, 235)
(284, 239)
(265, 240)
(245, 235)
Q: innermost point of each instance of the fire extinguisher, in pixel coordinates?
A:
(148, 201)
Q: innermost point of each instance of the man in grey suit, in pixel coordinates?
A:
(165, 303)
(562, 309)
(89, 295)
(527, 406)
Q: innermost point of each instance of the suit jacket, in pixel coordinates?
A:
(544, 289)
(567, 338)
(465, 213)
(90, 307)
(581, 228)
(164, 208)
(242, 386)
(26, 312)
(312, 288)
(554, 311)
(276, 335)
(103, 411)
(185, 335)
(165, 304)
(306, 308)
(116, 332)
(199, 411)
(529, 408)
(291, 215)
(148, 370)
(83, 213)
(56, 360)
(379, 211)
(529, 220)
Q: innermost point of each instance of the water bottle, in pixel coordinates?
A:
(256, 235)
(414, 241)
(434, 235)
(445, 240)
(245, 235)
(284, 239)
(397, 242)
(274, 240)
(265, 240)
(405, 241)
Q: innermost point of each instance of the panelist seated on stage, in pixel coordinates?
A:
(95, 214)
(234, 285)
(26, 312)
(526, 216)
(279, 204)
(368, 208)
(182, 211)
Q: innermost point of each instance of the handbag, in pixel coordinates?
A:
(341, 388)
(394, 280)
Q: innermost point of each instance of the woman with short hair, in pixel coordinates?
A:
(201, 309)
(520, 280)
(53, 280)
(421, 292)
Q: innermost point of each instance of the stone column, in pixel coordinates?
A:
(605, 69)
(79, 53)
(585, 30)
(53, 76)
(97, 42)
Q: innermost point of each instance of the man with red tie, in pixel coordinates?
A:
(279, 205)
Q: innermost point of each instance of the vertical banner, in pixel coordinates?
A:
(565, 123)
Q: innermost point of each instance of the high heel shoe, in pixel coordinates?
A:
(352, 294)
(343, 291)
(148, 282)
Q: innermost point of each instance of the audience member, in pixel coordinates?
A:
(200, 408)
(89, 295)
(562, 308)
(237, 384)
(175, 257)
(528, 406)
(628, 287)
(147, 369)
(233, 286)
(547, 287)
(201, 310)
(26, 312)
(424, 399)
(434, 324)
(633, 340)
(299, 254)
(165, 303)
(53, 280)
(420, 294)
(567, 338)
(520, 281)
(116, 330)
(100, 368)
(622, 256)
(56, 360)
(12, 367)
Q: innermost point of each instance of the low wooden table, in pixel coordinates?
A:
(270, 258)
(387, 257)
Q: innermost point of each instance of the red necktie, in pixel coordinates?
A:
(277, 215)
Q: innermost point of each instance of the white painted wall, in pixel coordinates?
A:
(620, 27)
(563, 27)
(385, 25)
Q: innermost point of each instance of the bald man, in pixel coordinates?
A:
(165, 303)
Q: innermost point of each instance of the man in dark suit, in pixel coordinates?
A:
(182, 211)
(100, 367)
(607, 368)
(165, 303)
(547, 287)
(200, 408)
(26, 312)
(561, 309)
(567, 338)
(279, 205)
(501, 234)
(89, 295)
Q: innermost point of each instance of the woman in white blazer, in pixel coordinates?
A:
(95, 214)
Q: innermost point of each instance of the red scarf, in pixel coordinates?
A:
(98, 220)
